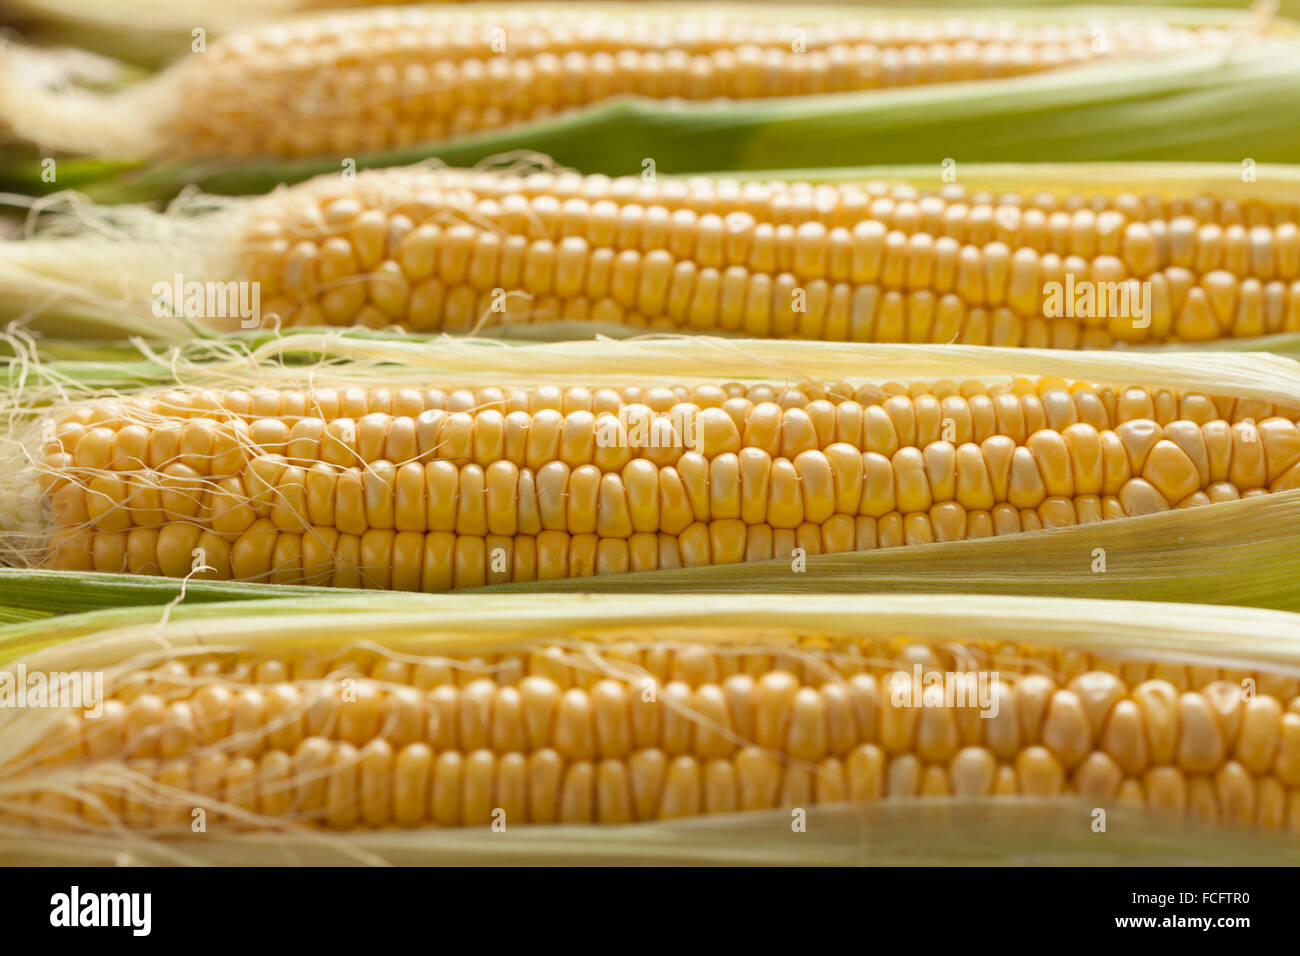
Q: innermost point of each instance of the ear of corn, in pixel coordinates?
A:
(1166, 254)
(435, 479)
(571, 713)
(366, 81)
(398, 102)
(431, 76)
(1244, 553)
(151, 32)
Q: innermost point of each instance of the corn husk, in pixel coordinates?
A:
(1201, 105)
(1241, 552)
(907, 831)
(88, 272)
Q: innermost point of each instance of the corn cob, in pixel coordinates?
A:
(374, 80)
(413, 487)
(1017, 263)
(151, 31)
(451, 250)
(387, 81)
(861, 700)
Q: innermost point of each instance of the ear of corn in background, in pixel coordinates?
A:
(730, 88)
(152, 32)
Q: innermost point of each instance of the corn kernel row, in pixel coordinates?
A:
(566, 734)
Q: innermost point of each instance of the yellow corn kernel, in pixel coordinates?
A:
(849, 261)
(434, 489)
(659, 729)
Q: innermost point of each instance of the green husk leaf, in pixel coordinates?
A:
(41, 593)
(17, 615)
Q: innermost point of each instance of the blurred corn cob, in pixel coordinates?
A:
(398, 82)
(496, 718)
(1165, 254)
(413, 477)
(151, 32)
(365, 82)
(323, 91)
